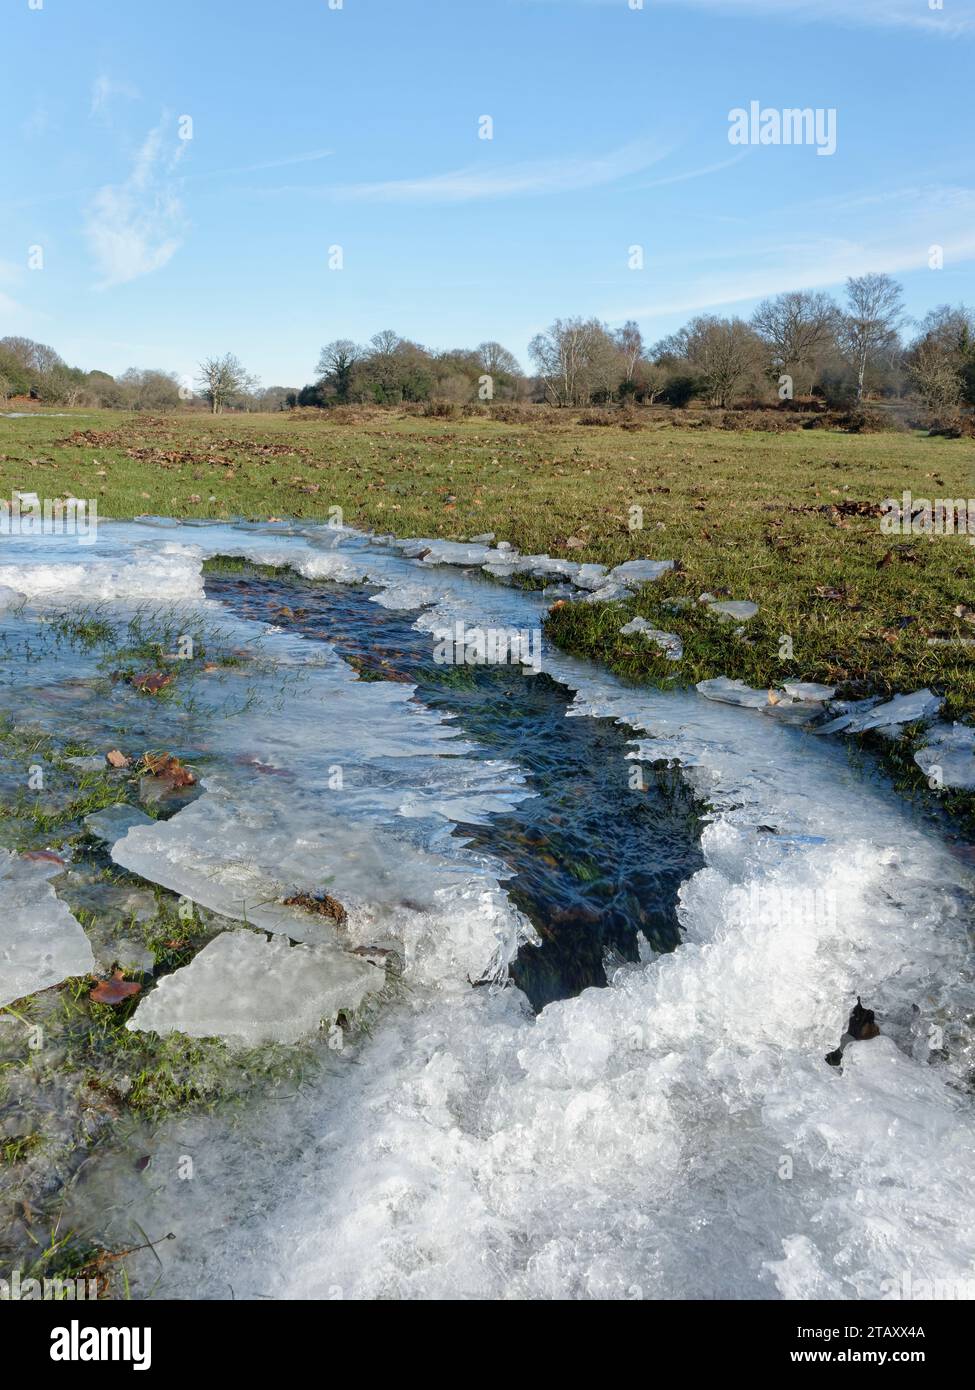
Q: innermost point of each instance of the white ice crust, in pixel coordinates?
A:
(41, 942)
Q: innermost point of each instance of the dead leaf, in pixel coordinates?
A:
(321, 903)
(150, 682)
(113, 991)
(164, 765)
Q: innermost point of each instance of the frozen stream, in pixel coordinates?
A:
(673, 1134)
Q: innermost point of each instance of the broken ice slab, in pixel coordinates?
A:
(867, 714)
(731, 692)
(249, 990)
(115, 821)
(609, 593)
(727, 609)
(540, 566)
(41, 942)
(589, 576)
(640, 571)
(808, 690)
(949, 748)
(9, 596)
(669, 642)
(439, 552)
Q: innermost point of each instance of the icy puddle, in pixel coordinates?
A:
(673, 1132)
(595, 861)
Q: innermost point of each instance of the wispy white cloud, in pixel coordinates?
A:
(526, 179)
(956, 19)
(695, 173)
(135, 227)
(311, 157)
(105, 89)
(914, 220)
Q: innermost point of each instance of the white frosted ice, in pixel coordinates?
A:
(154, 572)
(809, 690)
(640, 571)
(669, 642)
(949, 748)
(741, 609)
(249, 990)
(611, 592)
(902, 709)
(735, 692)
(41, 942)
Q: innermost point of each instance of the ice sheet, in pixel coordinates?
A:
(249, 990)
(41, 942)
(949, 755)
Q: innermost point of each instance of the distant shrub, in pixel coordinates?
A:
(598, 417)
(680, 390)
(962, 427)
(863, 421)
(770, 421)
(524, 413)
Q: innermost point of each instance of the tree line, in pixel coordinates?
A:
(801, 343)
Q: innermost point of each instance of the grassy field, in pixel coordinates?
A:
(786, 519)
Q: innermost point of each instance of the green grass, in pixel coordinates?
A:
(745, 515)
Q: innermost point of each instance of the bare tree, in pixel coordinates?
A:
(221, 379)
(336, 365)
(797, 328)
(497, 360)
(384, 343)
(34, 357)
(869, 328)
(941, 358)
(936, 377)
(575, 360)
(629, 342)
(724, 353)
(149, 389)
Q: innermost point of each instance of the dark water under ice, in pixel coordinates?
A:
(596, 862)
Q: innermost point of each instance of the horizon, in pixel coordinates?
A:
(183, 181)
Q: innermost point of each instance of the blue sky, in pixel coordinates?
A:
(358, 127)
